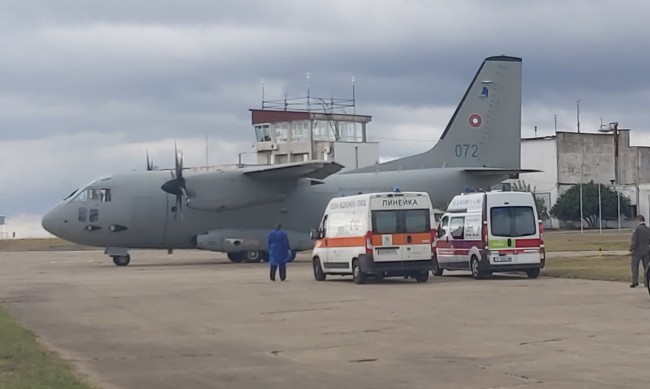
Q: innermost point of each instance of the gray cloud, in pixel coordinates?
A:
(86, 87)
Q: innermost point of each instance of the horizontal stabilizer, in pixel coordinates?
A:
(308, 169)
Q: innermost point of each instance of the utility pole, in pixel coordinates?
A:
(578, 114)
(555, 120)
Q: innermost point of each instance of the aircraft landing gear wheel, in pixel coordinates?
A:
(477, 273)
(235, 257)
(532, 273)
(121, 260)
(358, 276)
(436, 270)
(292, 257)
(319, 275)
(253, 256)
(422, 277)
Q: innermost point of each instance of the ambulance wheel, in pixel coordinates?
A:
(435, 269)
(236, 257)
(477, 273)
(319, 275)
(533, 273)
(121, 260)
(422, 276)
(358, 276)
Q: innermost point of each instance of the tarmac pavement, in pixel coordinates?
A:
(194, 320)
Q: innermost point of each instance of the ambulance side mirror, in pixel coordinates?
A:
(316, 234)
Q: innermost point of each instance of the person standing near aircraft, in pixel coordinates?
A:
(640, 249)
(279, 252)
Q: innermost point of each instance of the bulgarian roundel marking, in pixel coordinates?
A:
(475, 120)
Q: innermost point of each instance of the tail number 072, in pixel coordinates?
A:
(466, 150)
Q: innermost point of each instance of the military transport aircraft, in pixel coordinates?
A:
(233, 210)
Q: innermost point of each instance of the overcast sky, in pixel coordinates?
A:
(87, 87)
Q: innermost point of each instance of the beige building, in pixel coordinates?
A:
(315, 132)
(569, 158)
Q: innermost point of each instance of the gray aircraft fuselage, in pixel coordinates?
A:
(147, 212)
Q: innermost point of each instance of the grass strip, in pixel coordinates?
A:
(24, 363)
(601, 267)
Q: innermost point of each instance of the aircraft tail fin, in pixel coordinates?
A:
(485, 129)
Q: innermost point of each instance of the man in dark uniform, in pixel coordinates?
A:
(279, 252)
(640, 249)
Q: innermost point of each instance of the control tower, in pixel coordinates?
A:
(312, 128)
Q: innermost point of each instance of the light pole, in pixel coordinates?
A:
(582, 164)
(613, 128)
(600, 213)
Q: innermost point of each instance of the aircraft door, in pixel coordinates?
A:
(148, 220)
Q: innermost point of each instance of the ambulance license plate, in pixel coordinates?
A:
(390, 251)
(505, 258)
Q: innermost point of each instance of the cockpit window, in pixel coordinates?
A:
(71, 194)
(94, 194)
(105, 195)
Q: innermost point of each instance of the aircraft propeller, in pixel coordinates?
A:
(176, 185)
(149, 163)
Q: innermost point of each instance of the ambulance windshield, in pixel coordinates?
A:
(512, 221)
(409, 221)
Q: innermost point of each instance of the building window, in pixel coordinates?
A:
(350, 132)
(281, 131)
(324, 130)
(300, 131)
(262, 133)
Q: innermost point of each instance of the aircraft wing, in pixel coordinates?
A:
(487, 171)
(307, 169)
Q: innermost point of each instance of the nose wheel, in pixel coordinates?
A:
(121, 260)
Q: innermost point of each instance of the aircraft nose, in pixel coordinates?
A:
(52, 222)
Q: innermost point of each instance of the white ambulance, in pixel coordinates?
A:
(377, 235)
(490, 232)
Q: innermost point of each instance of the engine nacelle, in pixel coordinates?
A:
(230, 190)
(229, 240)
(241, 239)
(225, 203)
